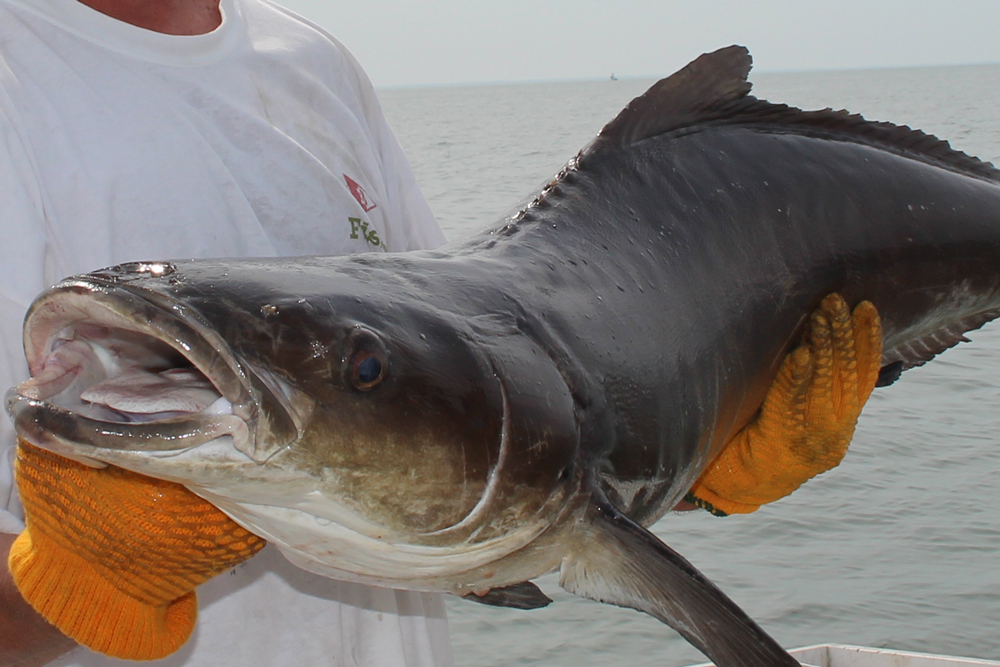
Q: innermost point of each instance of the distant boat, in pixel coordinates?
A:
(613, 77)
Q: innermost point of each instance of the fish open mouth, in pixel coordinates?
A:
(113, 369)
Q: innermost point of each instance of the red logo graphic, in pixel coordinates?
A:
(359, 194)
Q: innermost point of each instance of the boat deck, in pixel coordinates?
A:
(839, 655)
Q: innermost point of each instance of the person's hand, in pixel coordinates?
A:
(808, 417)
(112, 558)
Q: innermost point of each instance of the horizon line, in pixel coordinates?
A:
(654, 77)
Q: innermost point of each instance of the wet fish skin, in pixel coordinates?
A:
(558, 382)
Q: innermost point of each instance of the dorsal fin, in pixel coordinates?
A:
(713, 90)
(689, 97)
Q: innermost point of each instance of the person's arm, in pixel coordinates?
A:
(808, 417)
(26, 639)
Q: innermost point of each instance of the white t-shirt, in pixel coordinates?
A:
(261, 138)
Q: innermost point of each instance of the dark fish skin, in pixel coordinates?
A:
(635, 311)
(731, 241)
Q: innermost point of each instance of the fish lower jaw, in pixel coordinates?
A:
(134, 446)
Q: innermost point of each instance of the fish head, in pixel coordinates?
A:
(370, 433)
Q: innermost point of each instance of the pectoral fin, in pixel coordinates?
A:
(619, 562)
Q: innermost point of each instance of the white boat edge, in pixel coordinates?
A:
(843, 655)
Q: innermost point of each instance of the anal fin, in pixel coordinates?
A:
(619, 562)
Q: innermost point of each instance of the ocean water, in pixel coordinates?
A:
(897, 547)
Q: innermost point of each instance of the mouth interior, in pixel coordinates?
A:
(116, 375)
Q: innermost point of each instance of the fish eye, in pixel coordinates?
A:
(367, 370)
(366, 361)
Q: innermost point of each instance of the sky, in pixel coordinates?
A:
(411, 43)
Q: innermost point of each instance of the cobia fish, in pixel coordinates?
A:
(530, 399)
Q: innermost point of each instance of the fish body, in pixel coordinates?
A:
(466, 419)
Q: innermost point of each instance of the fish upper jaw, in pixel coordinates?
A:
(120, 374)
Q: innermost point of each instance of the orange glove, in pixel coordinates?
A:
(112, 558)
(808, 417)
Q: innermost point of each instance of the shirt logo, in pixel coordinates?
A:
(360, 229)
(359, 194)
